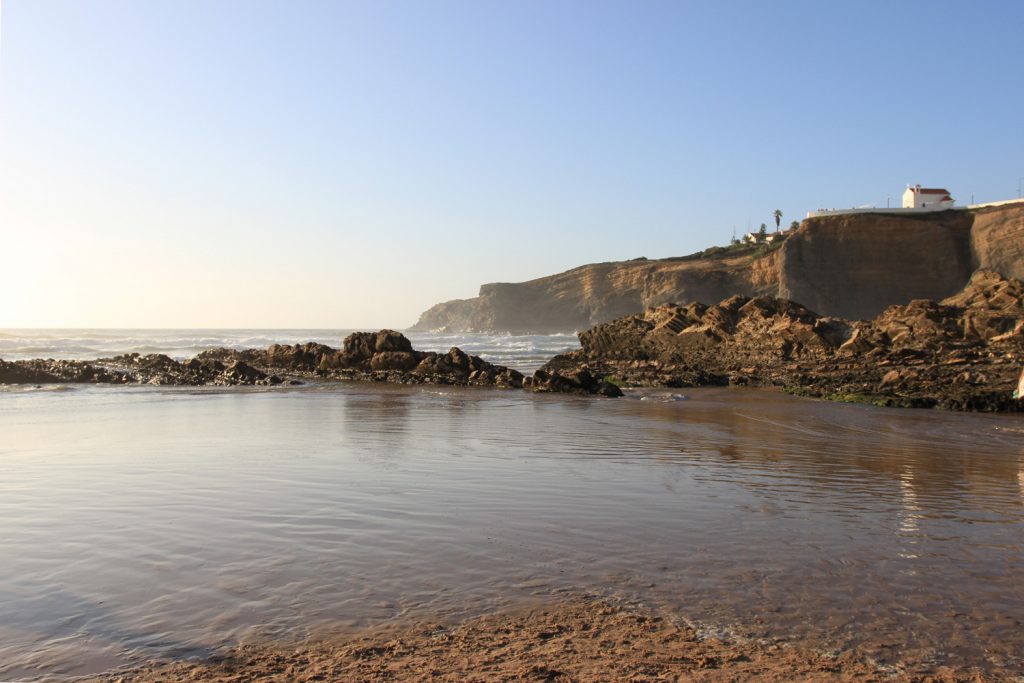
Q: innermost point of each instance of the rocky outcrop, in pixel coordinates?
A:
(156, 369)
(385, 356)
(965, 352)
(53, 371)
(575, 381)
(852, 266)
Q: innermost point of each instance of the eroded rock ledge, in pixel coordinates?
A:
(385, 356)
(963, 353)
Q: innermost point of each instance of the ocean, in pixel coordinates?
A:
(146, 522)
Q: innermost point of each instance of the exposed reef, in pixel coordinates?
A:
(962, 353)
(384, 356)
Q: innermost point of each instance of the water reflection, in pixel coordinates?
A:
(376, 424)
(182, 520)
(910, 514)
(934, 460)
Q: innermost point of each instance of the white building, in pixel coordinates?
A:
(917, 197)
(767, 238)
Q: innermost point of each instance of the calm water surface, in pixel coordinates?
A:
(152, 522)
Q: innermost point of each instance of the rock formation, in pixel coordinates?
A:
(965, 352)
(156, 369)
(376, 356)
(574, 381)
(845, 265)
(385, 356)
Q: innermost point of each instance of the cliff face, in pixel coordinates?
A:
(997, 240)
(852, 266)
(595, 293)
(855, 265)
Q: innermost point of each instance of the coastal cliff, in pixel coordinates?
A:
(852, 265)
(598, 292)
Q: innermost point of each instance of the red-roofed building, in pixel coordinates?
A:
(917, 197)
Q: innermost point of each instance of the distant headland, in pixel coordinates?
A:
(851, 263)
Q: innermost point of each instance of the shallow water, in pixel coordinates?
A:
(145, 522)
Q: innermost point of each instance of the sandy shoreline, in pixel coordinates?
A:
(577, 639)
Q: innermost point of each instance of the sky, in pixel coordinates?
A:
(349, 164)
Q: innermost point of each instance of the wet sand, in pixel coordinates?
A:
(577, 639)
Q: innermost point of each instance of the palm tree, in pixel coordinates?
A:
(778, 217)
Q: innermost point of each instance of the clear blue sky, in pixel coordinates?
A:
(335, 164)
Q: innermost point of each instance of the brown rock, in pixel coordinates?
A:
(578, 381)
(298, 357)
(403, 361)
(891, 377)
(389, 340)
(360, 345)
(914, 348)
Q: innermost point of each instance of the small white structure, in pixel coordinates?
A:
(767, 238)
(917, 197)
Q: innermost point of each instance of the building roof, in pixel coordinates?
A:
(928, 190)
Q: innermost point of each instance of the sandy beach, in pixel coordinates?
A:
(577, 639)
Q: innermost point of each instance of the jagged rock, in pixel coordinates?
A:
(14, 373)
(857, 343)
(432, 364)
(988, 290)
(389, 340)
(909, 355)
(580, 381)
(458, 359)
(509, 379)
(244, 373)
(299, 357)
(385, 356)
(340, 360)
(361, 345)
(402, 361)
